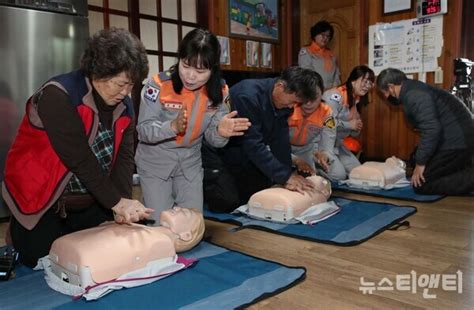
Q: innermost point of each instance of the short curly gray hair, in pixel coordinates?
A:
(112, 51)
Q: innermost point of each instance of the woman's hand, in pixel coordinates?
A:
(230, 126)
(322, 159)
(128, 211)
(303, 166)
(356, 124)
(179, 123)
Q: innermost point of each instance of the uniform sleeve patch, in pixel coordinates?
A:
(151, 93)
(335, 97)
(303, 51)
(330, 122)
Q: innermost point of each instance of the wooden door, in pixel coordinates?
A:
(344, 16)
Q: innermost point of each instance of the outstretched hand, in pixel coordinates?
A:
(230, 126)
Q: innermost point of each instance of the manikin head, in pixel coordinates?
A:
(186, 224)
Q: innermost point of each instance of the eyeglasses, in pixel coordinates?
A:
(368, 83)
(325, 35)
(120, 85)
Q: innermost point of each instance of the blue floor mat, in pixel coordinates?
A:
(356, 222)
(222, 279)
(403, 193)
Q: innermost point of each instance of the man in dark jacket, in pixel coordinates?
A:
(262, 156)
(444, 155)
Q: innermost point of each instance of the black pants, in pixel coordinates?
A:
(36, 243)
(449, 173)
(225, 187)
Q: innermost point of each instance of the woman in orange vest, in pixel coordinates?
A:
(178, 109)
(318, 57)
(345, 101)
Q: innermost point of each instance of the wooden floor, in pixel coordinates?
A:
(439, 241)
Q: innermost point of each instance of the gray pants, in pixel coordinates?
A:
(341, 164)
(159, 194)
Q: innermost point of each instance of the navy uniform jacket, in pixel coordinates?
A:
(266, 144)
(444, 121)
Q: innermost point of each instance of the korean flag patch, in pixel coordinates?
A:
(151, 93)
(335, 97)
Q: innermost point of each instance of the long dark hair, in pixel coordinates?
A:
(356, 73)
(201, 49)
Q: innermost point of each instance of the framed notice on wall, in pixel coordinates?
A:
(397, 6)
(266, 60)
(411, 45)
(252, 48)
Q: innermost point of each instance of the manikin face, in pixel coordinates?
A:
(322, 39)
(362, 85)
(179, 220)
(192, 78)
(113, 90)
(282, 99)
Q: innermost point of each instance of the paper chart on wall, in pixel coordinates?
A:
(412, 45)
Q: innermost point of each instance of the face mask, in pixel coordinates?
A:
(393, 100)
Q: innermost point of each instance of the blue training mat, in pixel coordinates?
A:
(356, 222)
(222, 279)
(403, 193)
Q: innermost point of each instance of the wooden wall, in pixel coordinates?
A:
(386, 131)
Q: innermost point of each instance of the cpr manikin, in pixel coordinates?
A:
(385, 175)
(95, 261)
(282, 205)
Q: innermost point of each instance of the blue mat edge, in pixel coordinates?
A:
(361, 192)
(351, 243)
(266, 295)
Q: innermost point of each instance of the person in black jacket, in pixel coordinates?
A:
(444, 156)
(262, 156)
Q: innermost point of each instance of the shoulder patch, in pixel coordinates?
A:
(335, 97)
(151, 93)
(330, 122)
(303, 52)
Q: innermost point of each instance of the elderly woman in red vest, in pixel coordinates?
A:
(71, 164)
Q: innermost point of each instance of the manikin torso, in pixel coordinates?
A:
(378, 174)
(281, 204)
(111, 250)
